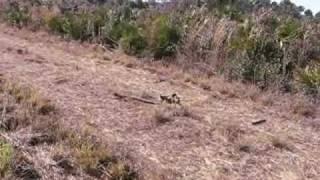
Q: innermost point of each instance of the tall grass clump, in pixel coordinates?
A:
(309, 78)
(94, 158)
(256, 58)
(132, 40)
(164, 37)
(6, 155)
(75, 26)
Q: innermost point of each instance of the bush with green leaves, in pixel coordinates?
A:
(129, 36)
(77, 26)
(309, 78)
(56, 24)
(132, 41)
(80, 26)
(256, 58)
(71, 25)
(17, 15)
(117, 29)
(165, 37)
(289, 30)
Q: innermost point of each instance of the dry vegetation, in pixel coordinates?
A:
(214, 125)
(26, 113)
(245, 113)
(269, 45)
(167, 113)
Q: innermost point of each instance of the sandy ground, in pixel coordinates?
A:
(214, 140)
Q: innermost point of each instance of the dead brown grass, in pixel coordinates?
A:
(267, 99)
(31, 109)
(29, 97)
(245, 145)
(147, 95)
(231, 131)
(282, 142)
(94, 158)
(90, 155)
(168, 113)
(205, 86)
(304, 108)
(185, 140)
(23, 168)
(14, 164)
(163, 116)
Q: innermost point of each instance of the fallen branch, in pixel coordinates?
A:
(122, 96)
(143, 100)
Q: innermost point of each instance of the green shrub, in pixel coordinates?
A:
(80, 26)
(133, 44)
(128, 35)
(6, 155)
(164, 37)
(132, 41)
(55, 24)
(77, 26)
(117, 29)
(85, 26)
(64, 25)
(309, 78)
(72, 25)
(257, 59)
(289, 30)
(17, 15)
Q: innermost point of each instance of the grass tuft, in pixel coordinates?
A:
(168, 113)
(310, 80)
(6, 155)
(95, 159)
(162, 117)
(281, 143)
(305, 109)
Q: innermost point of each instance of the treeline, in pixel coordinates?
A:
(272, 45)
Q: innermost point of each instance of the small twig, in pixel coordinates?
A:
(259, 122)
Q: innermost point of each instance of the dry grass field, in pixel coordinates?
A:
(80, 104)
